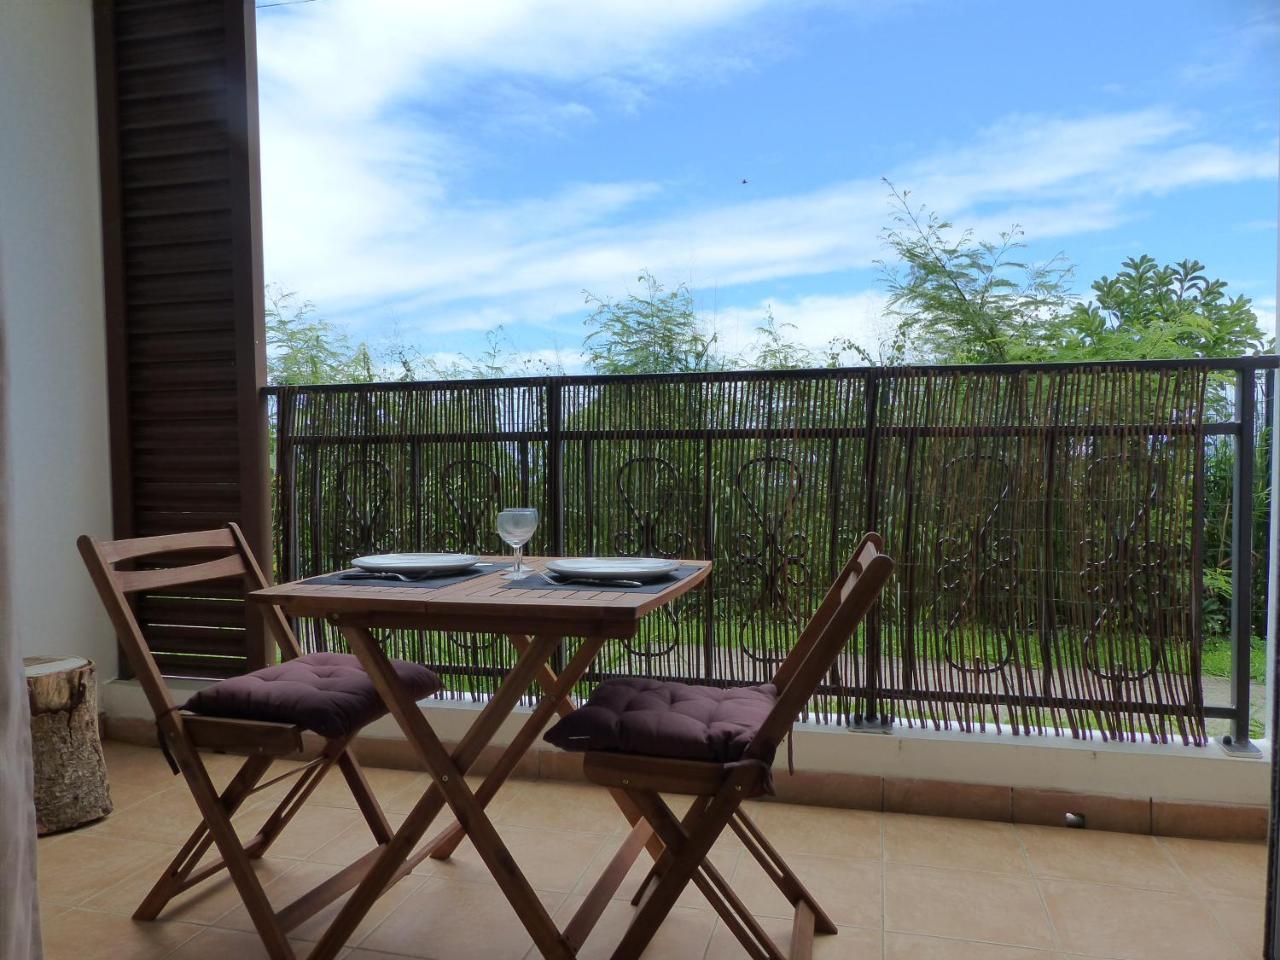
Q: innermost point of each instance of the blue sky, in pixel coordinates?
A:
(433, 169)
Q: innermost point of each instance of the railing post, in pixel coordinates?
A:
(555, 484)
(555, 466)
(1242, 564)
(871, 626)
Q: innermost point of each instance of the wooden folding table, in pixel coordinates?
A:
(536, 621)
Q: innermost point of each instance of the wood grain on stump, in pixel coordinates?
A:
(70, 772)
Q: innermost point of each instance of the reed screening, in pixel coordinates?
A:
(1046, 522)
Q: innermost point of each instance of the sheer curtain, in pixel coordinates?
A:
(19, 909)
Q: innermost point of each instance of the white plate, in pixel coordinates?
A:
(613, 568)
(417, 564)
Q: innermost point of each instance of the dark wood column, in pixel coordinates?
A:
(182, 246)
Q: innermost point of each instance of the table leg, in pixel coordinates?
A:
(449, 785)
(556, 690)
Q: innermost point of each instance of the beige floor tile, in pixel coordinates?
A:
(384, 783)
(304, 877)
(964, 905)
(684, 934)
(137, 768)
(558, 806)
(50, 910)
(402, 799)
(907, 946)
(1225, 869)
(167, 817)
(848, 890)
(202, 904)
(213, 943)
(87, 935)
(820, 831)
(125, 794)
(958, 844)
(443, 920)
(352, 843)
(1243, 921)
(848, 943)
(723, 857)
(1098, 856)
(1131, 924)
(552, 860)
(74, 867)
(311, 828)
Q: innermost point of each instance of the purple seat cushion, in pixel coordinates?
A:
(328, 693)
(666, 719)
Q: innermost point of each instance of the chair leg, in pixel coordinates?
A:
(172, 881)
(689, 853)
(737, 918)
(779, 872)
(365, 800)
(234, 856)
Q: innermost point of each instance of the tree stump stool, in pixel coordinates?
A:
(70, 772)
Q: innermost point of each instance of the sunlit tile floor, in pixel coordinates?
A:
(899, 887)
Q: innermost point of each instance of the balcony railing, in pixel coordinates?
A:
(1049, 523)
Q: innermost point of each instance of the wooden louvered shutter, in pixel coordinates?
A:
(177, 116)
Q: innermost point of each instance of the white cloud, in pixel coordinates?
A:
(812, 321)
(363, 210)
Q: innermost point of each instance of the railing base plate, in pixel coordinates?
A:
(1244, 749)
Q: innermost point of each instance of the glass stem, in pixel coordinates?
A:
(518, 568)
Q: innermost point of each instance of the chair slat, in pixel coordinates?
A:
(131, 581)
(115, 551)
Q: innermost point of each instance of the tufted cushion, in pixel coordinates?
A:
(328, 693)
(665, 719)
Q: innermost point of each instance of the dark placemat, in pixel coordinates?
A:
(427, 583)
(538, 582)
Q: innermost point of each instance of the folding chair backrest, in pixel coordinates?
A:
(159, 571)
(846, 603)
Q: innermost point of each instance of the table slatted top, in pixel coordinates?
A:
(483, 604)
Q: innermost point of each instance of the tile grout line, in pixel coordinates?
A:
(1044, 904)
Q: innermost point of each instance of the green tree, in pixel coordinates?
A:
(957, 299)
(773, 349)
(303, 348)
(655, 331)
(1158, 312)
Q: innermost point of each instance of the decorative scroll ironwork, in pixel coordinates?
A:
(648, 487)
(1126, 574)
(973, 568)
(364, 489)
(471, 486)
(771, 560)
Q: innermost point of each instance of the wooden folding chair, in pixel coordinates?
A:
(718, 788)
(183, 734)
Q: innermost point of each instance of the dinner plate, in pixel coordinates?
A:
(613, 568)
(416, 564)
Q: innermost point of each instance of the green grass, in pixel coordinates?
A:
(1217, 659)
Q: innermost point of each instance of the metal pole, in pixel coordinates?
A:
(1242, 564)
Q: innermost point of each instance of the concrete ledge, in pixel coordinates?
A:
(1171, 790)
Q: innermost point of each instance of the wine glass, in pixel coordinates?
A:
(515, 527)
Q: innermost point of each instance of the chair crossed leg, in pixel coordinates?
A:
(216, 828)
(683, 858)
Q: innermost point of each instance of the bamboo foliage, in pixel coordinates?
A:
(1044, 522)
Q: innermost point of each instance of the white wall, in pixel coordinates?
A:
(51, 304)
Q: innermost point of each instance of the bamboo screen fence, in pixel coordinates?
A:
(1045, 523)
